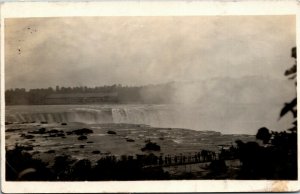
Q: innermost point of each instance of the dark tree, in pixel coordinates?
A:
(292, 74)
(264, 135)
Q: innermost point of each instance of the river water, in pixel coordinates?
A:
(237, 119)
(178, 130)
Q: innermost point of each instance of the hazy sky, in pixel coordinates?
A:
(43, 52)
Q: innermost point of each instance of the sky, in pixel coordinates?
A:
(234, 64)
(93, 51)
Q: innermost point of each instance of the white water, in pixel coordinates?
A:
(154, 115)
(240, 119)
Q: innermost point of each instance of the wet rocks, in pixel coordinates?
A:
(81, 146)
(96, 152)
(130, 140)
(54, 131)
(27, 136)
(82, 137)
(12, 130)
(41, 130)
(50, 152)
(60, 135)
(83, 131)
(69, 132)
(150, 146)
(111, 132)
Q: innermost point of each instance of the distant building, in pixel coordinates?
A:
(82, 98)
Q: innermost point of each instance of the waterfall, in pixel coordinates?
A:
(124, 114)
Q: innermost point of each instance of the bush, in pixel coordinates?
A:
(21, 166)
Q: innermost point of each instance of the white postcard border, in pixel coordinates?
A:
(141, 8)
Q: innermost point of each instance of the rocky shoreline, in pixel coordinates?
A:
(119, 144)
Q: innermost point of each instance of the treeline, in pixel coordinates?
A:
(125, 94)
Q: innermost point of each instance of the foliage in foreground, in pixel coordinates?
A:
(21, 166)
(277, 158)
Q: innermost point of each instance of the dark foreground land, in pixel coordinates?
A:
(73, 151)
